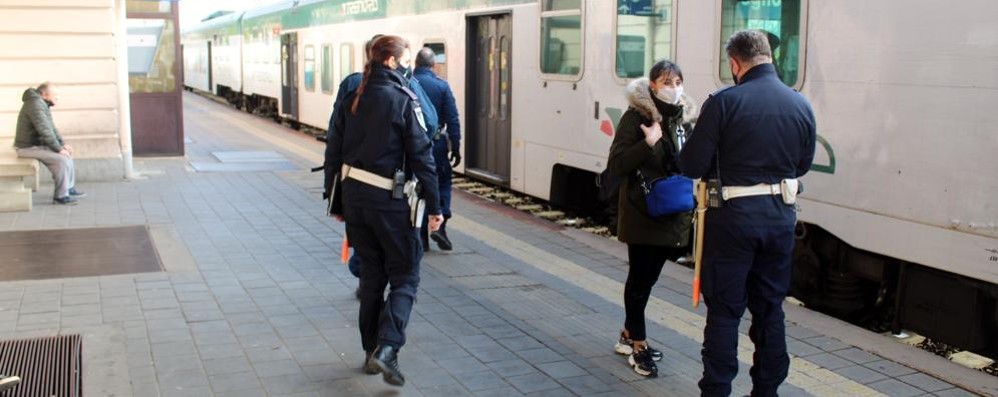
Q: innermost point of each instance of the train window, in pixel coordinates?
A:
(558, 5)
(561, 37)
(440, 59)
(346, 60)
(309, 68)
(644, 35)
(782, 20)
(327, 69)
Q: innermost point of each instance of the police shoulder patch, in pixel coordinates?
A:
(407, 91)
(416, 108)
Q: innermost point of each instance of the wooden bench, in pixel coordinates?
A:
(15, 173)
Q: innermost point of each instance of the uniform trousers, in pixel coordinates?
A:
(745, 266)
(645, 265)
(389, 252)
(62, 167)
(444, 175)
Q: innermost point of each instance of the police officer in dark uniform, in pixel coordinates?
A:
(382, 147)
(348, 86)
(442, 98)
(758, 136)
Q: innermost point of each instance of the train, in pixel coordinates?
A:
(898, 225)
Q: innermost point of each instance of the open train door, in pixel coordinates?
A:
(289, 75)
(487, 147)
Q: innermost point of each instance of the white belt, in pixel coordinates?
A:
(367, 177)
(762, 189)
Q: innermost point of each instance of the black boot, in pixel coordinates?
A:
(386, 358)
(440, 236)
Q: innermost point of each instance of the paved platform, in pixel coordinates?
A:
(254, 300)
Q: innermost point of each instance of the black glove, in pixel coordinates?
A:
(455, 158)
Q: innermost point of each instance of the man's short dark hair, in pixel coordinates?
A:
(747, 45)
(425, 58)
(43, 87)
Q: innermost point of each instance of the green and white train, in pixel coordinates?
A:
(899, 223)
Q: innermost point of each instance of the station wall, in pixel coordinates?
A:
(71, 43)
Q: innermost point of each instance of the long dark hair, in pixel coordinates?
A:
(383, 48)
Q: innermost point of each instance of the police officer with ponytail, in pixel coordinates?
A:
(382, 149)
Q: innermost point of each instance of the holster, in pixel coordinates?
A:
(417, 206)
(789, 189)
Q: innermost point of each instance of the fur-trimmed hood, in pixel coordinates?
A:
(639, 97)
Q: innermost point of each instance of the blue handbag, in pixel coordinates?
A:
(668, 195)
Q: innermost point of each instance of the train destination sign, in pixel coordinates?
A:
(641, 8)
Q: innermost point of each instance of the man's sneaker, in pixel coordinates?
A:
(76, 193)
(8, 382)
(386, 358)
(67, 200)
(624, 348)
(643, 364)
(370, 367)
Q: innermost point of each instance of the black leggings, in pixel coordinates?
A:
(646, 263)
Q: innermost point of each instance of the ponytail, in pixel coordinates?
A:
(382, 48)
(360, 89)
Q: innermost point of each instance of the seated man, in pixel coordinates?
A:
(38, 139)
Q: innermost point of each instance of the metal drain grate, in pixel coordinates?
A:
(47, 366)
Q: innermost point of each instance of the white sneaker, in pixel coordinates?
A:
(8, 382)
(625, 347)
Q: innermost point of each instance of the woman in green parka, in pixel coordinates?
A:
(646, 145)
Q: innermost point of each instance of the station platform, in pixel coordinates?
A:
(252, 299)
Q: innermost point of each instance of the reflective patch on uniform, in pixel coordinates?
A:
(419, 116)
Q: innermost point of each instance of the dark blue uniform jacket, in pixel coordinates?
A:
(348, 86)
(442, 98)
(375, 138)
(763, 132)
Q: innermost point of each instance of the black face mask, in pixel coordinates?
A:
(48, 102)
(406, 71)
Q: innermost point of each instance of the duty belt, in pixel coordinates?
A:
(417, 207)
(367, 177)
(762, 189)
(787, 188)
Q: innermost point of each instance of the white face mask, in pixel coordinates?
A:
(669, 95)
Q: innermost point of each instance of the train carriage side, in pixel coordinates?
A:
(227, 73)
(261, 58)
(196, 61)
(913, 173)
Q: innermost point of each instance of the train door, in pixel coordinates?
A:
(487, 147)
(289, 75)
(211, 86)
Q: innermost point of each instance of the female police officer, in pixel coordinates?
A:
(383, 145)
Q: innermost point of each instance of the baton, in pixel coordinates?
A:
(701, 194)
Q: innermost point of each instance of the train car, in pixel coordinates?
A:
(897, 223)
(263, 82)
(213, 56)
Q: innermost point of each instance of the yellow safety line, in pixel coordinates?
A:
(812, 378)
